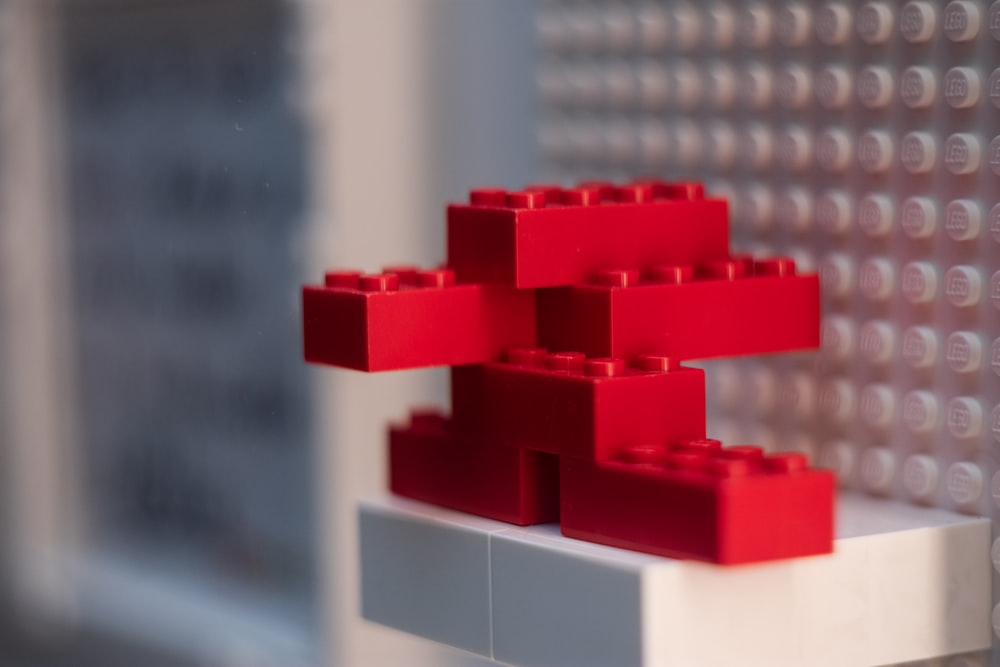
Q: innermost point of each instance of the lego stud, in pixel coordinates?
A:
(526, 200)
(553, 193)
(379, 282)
(725, 269)
(582, 197)
(963, 285)
(671, 275)
(644, 455)
(617, 278)
(699, 446)
(750, 453)
(729, 468)
(636, 193)
(436, 278)
(605, 189)
(342, 279)
(657, 363)
(786, 462)
(746, 260)
(407, 274)
(604, 367)
(488, 197)
(527, 356)
(565, 361)
(774, 266)
(688, 461)
(878, 469)
(657, 187)
(685, 191)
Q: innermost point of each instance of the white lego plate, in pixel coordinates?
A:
(904, 584)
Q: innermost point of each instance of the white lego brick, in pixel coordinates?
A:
(558, 601)
(426, 570)
(904, 584)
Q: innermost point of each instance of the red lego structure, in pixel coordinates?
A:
(609, 438)
(699, 500)
(626, 314)
(432, 462)
(571, 406)
(549, 237)
(405, 318)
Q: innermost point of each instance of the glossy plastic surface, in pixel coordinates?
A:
(430, 461)
(583, 408)
(409, 319)
(638, 276)
(702, 501)
(548, 237)
(728, 308)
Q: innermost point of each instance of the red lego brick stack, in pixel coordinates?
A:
(565, 315)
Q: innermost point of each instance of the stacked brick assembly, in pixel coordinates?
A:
(565, 315)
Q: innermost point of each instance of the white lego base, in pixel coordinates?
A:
(904, 584)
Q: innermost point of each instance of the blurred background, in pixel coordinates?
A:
(177, 487)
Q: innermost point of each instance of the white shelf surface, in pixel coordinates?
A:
(904, 583)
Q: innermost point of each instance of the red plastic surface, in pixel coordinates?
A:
(548, 237)
(685, 313)
(429, 461)
(700, 501)
(637, 278)
(409, 319)
(585, 408)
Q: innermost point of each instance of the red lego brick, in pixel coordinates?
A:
(430, 461)
(548, 237)
(726, 308)
(406, 318)
(700, 501)
(586, 408)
